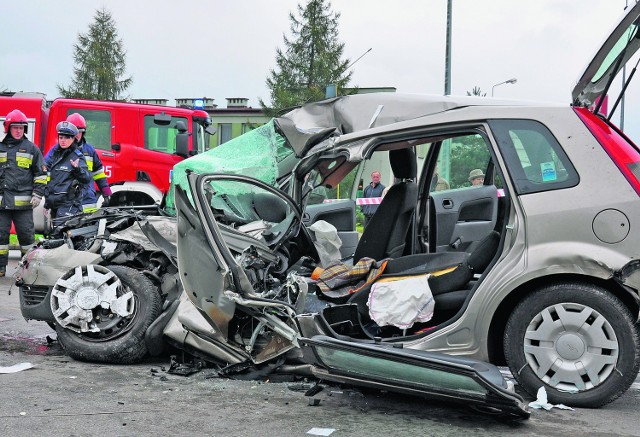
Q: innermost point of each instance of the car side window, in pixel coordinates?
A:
(536, 161)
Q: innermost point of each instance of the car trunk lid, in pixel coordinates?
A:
(617, 49)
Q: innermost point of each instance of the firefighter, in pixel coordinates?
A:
(69, 176)
(22, 182)
(90, 198)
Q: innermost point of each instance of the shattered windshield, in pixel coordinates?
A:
(261, 153)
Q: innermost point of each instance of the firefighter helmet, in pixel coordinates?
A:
(15, 117)
(66, 128)
(78, 121)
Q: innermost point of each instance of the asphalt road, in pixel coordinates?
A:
(63, 397)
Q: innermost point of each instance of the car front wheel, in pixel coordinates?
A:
(575, 339)
(102, 313)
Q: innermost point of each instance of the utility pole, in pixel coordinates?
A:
(447, 59)
(444, 160)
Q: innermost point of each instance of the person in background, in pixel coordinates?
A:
(476, 177)
(69, 175)
(94, 164)
(374, 189)
(23, 177)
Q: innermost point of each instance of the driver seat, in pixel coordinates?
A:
(386, 234)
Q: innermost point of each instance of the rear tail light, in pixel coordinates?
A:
(618, 146)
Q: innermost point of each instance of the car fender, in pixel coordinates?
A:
(46, 266)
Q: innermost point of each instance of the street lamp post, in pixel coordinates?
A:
(511, 81)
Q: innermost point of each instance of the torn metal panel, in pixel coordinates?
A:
(629, 275)
(189, 330)
(138, 233)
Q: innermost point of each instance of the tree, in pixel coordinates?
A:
(99, 58)
(311, 59)
(476, 91)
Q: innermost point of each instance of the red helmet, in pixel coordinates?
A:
(78, 121)
(15, 117)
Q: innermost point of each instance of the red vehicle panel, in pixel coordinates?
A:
(138, 144)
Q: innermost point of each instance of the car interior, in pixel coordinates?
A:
(453, 234)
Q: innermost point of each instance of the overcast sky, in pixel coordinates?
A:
(219, 49)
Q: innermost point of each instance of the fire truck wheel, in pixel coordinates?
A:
(94, 325)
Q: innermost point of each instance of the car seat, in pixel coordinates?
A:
(449, 290)
(385, 235)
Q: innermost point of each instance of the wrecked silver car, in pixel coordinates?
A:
(116, 296)
(536, 268)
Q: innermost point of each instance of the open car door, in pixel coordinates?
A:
(427, 374)
(227, 239)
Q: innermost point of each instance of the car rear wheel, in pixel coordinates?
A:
(575, 339)
(102, 313)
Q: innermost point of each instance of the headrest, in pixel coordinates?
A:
(269, 207)
(403, 163)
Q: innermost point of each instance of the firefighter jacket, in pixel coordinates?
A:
(66, 184)
(90, 197)
(22, 173)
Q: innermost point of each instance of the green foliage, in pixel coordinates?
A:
(99, 58)
(467, 153)
(311, 59)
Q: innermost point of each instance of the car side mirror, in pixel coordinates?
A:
(182, 144)
(181, 127)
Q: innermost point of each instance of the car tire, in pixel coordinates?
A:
(127, 345)
(576, 340)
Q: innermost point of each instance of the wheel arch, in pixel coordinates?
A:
(501, 315)
(134, 194)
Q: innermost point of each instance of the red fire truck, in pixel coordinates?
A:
(137, 143)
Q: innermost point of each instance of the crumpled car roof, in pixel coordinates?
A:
(312, 123)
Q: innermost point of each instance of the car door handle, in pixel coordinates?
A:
(109, 154)
(447, 203)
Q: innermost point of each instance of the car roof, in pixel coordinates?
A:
(311, 124)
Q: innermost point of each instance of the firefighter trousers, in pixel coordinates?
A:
(23, 221)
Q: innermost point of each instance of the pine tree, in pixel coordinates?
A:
(99, 58)
(311, 59)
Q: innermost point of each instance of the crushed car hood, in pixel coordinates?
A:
(621, 44)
